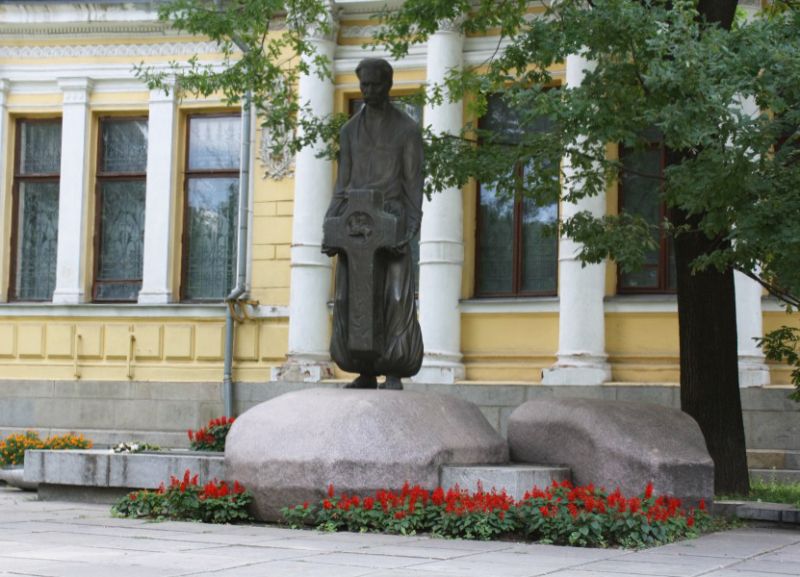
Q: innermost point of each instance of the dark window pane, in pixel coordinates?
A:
(119, 270)
(214, 143)
(644, 278)
(495, 251)
(641, 195)
(40, 147)
(37, 240)
(211, 238)
(515, 252)
(124, 145)
(539, 250)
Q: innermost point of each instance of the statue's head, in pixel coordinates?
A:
(375, 78)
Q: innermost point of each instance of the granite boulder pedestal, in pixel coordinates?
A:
(289, 449)
(615, 444)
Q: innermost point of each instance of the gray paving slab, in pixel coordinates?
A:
(68, 540)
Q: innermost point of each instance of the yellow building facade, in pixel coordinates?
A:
(96, 330)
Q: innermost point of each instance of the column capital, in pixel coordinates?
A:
(451, 25)
(166, 93)
(76, 90)
(326, 27)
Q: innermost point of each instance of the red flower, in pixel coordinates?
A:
(544, 511)
(648, 492)
(305, 504)
(702, 505)
(132, 496)
(690, 521)
(369, 503)
(330, 491)
(399, 514)
(327, 504)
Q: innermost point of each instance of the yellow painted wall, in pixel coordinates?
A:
(145, 349)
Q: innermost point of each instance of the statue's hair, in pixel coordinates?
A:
(382, 65)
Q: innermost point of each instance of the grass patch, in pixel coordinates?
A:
(770, 492)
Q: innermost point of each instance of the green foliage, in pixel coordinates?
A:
(13, 447)
(770, 491)
(561, 514)
(265, 48)
(782, 345)
(186, 499)
(656, 65)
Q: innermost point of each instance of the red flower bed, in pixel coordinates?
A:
(559, 514)
(212, 436)
(184, 498)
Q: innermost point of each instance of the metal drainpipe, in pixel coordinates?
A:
(241, 256)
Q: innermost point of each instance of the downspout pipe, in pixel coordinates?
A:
(241, 256)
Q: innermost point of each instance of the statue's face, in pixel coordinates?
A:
(374, 87)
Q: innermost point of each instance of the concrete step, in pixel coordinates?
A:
(773, 459)
(776, 475)
(516, 479)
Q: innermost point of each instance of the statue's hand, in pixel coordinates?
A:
(399, 249)
(330, 251)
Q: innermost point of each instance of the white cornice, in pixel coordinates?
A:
(92, 50)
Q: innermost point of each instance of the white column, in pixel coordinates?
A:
(73, 196)
(159, 212)
(5, 194)
(753, 371)
(308, 358)
(581, 323)
(441, 246)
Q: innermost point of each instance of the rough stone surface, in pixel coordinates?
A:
(615, 443)
(515, 479)
(289, 449)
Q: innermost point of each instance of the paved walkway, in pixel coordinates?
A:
(57, 539)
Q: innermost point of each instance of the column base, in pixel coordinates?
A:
(303, 370)
(154, 298)
(570, 371)
(440, 371)
(753, 373)
(64, 297)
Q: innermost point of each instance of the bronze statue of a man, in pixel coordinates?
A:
(380, 168)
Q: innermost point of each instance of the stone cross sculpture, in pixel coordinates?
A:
(362, 230)
(375, 211)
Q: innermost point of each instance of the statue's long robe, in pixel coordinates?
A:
(389, 161)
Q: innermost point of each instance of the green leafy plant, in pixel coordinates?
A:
(770, 491)
(186, 499)
(783, 344)
(561, 514)
(13, 447)
(212, 436)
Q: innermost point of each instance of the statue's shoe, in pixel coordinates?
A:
(392, 384)
(363, 382)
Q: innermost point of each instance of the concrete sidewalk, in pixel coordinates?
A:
(70, 539)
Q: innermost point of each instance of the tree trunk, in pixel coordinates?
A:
(709, 357)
